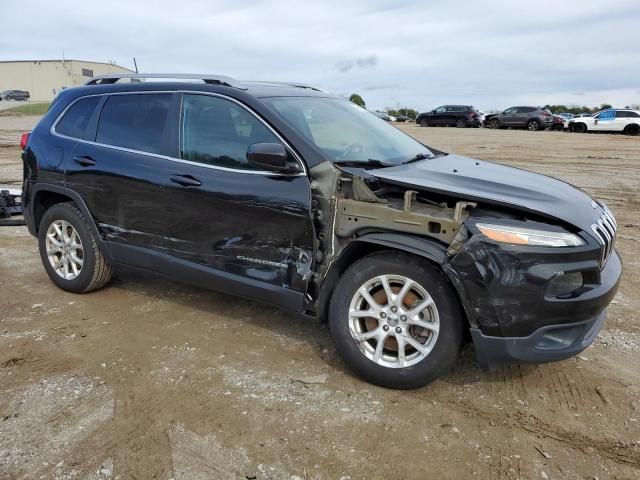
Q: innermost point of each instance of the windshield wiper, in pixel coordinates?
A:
(419, 156)
(372, 162)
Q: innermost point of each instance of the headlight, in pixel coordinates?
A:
(529, 236)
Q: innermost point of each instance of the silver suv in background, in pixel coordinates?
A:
(531, 118)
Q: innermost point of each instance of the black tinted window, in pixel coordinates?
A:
(135, 121)
(526, 109)
(626, 114)
(219, 132)
(74, 122)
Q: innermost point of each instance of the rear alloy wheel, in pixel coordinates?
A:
(533, 125)
(69, 250)
(579, 127)
(460, 123)
(632, 129)
(395, 320)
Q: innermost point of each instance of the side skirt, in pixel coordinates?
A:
(203, 276)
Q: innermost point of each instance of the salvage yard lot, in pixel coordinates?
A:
(152, 379)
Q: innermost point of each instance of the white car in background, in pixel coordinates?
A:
(610, 120)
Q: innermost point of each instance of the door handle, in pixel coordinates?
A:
(185, 180)
(84, 161)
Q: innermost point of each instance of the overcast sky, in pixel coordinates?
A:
(491, 54)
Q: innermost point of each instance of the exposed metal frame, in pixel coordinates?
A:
(298, 158)
(209, 79)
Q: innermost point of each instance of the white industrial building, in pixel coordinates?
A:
(43, 79)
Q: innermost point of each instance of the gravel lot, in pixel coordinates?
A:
(152, 379)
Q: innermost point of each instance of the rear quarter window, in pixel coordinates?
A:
(135, 121)
(75, 120)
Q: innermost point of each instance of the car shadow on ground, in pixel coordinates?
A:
(296, 327)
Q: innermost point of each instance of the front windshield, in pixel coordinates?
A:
(347, 133)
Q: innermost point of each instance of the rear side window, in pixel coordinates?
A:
(526, 109)
(626, 114)
(135, 121)
(219, 132)
(76, 119)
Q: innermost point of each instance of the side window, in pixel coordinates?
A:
(441, 109)
(135, 121)
(76, 119)
(526, 109)
(511, 111)
(219, 132)
(606, 115)
(626, 114)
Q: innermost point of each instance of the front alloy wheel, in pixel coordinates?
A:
(394, 321)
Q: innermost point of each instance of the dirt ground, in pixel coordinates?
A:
(152, 379)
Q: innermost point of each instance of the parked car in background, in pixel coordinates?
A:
(303, 200)
(583, 115)
(531, 118)
(15, 95)
(401, 118)
(610, 120)
(566, 115)
(559, 123)
(450, 115)
(382, 115)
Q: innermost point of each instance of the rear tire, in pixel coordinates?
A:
(427, 336)
(533, 125)
(460, 123)
(632, 129)
(69, 250)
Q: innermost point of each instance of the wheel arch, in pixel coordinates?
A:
(45, 196)
(432, 251)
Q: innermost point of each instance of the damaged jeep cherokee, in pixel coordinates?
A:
(288, 195)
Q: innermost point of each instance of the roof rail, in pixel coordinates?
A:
(289, 84)
(210, 79)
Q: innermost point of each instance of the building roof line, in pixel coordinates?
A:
(60, 60)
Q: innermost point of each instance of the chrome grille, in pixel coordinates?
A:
(605, 231)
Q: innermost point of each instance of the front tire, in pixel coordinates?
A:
(424, 122)
(495, 124)
(396, 320)
(69, 250)
(579, 128)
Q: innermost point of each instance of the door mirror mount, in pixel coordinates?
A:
(270, 156)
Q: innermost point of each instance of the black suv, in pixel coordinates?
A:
(291, 196)
(531, 118)
(450, 115)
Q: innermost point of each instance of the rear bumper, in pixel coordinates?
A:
(547, 344)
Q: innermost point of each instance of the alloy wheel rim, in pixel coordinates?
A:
(394, 321)
(64, 249)
(533, 126)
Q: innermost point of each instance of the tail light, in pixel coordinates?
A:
(473, 114)
(23, 140)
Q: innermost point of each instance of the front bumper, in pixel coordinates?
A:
(547, 344)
